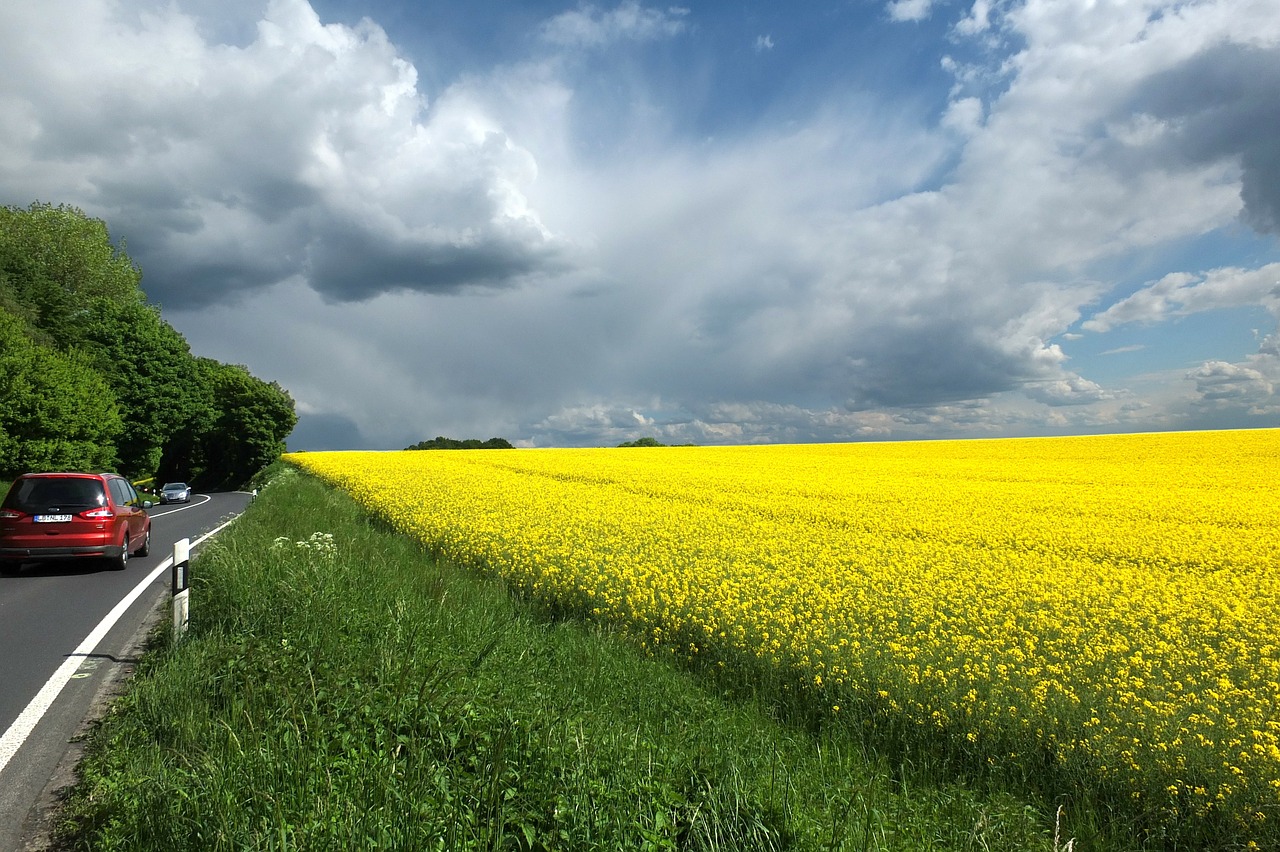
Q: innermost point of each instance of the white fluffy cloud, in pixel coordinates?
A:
(1218, 382)
(594, 27)
(909, 10)
(1182, 294)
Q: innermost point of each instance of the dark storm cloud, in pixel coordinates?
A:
(352, 264)
(945, 362)
(874, 368)
(316, 432)
(1225, 101)
(921, 348)
(187, 266)
(186, 263)
(186, 283)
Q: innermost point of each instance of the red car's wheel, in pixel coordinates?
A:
(121, 562)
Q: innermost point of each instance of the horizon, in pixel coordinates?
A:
(868, 441)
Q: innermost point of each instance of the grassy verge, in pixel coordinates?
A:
(340, 689)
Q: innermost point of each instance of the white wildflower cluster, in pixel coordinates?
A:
(318, 543)
(285, 474)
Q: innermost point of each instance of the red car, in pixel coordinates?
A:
(56, 516)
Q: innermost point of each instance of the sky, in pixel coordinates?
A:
(577, 224)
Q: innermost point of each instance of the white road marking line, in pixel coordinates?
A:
(188, 505)
(35, 710)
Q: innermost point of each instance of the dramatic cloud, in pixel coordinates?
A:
(1217, 381)
(634, 223)
(1217, 104)
(308, 150)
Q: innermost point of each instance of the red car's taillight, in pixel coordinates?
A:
(9, 515)
(95, 514)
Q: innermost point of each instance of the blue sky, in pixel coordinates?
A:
(581, 223)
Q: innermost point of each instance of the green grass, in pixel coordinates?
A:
(340, 689)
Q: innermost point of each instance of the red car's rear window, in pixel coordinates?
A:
(43, 495)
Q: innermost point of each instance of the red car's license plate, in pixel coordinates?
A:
(51, 519)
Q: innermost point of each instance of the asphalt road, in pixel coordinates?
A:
(51, 614)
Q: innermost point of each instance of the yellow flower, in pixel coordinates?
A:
(1111, 600)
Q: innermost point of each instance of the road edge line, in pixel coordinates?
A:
(31, 715)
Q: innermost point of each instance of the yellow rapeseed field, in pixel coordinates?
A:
(1110, 602)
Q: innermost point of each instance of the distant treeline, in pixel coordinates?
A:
(442, 443)
(651, 442)
(91, 378)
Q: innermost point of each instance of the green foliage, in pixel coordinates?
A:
(55, 259)
(56, 413)
(442, 443)
(642, 442)
(94, 378)
(252, 420)
(187, 454)
(340, 690)
(650, 442)
(148, 365)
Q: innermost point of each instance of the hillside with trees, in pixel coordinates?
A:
(92, 378)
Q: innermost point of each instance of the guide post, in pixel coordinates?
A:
(181, 592)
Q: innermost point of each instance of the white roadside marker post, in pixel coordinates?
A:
(181, 592)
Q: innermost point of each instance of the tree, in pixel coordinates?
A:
(252, 420)
(149, 366)
(56, 413)
(186, 454)
(55, 259)
(74, 294)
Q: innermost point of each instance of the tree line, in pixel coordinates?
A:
(651, 442)
(91, 377)
(440, 442)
